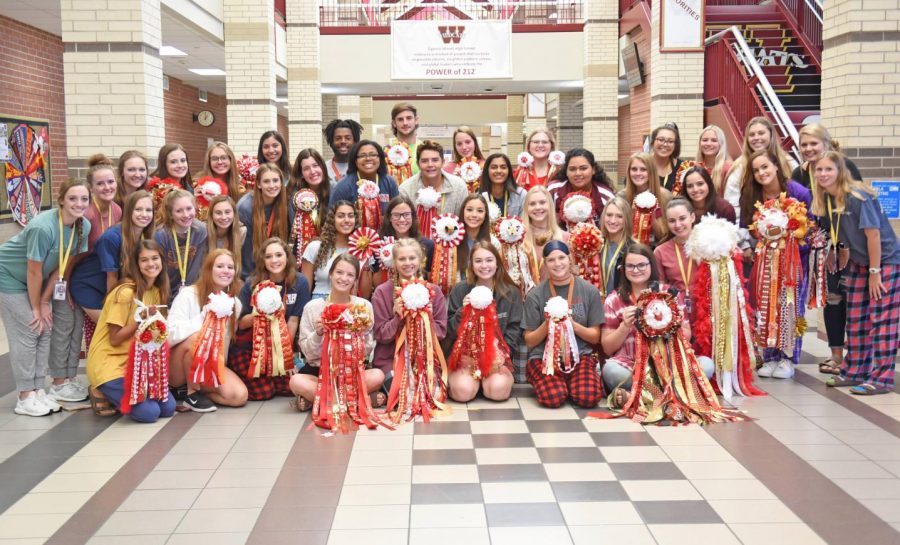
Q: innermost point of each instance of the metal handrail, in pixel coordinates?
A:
(766, 92)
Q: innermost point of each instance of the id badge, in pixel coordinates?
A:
(59, 291)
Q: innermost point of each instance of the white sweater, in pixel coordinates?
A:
(186, 316)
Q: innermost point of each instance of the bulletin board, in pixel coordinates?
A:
(24, 168)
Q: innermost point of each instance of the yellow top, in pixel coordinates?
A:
(105, 361)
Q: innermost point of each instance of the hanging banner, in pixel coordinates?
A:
(451, 49)
(681, 25)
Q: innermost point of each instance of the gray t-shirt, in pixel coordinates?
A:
(587, 309)
(322, 284)
(866, 213)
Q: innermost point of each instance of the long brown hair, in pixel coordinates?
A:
(204, 286)
(328, 236)
(484, 232)
(233, 241)
(751, 191)
(120, 173)
(279, 216)
(775, 150)
(165, 218)
(624, 287)
(260, 272)
(660, 229)
(503, 284)
(298, 182)
(131, 271)
(79, 223)
(162, 171)
(129, 241)
(845, 183)
(476, 153)
(232, 178)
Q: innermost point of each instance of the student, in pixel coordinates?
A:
(334, 240)
(343, 274)
(665, 146)
(404, 124)
(274, 268)
(697, 186)
(540, 228)
(498, 184)
(31, 265)
(582, 174)
(539, 144)
(616, 229)
(486, 269)
(219, 163)
(759, 135)
(851, 211)
(144, 280)
(367, 162)
(265, 213)
(103, 212)
(172, 172)
(712, 152)
(223, 229)
(182, 237)
(452, 190)
(131, 175)
(188, 326)
(273, 149)
(341, 135)
(641, 176)
(310, 174)
(400, 222)
(465, 149)
(675, 267)
(575, 380)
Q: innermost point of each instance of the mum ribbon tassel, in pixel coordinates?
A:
(479, 338)
(342, 401)
(642, 225)
(147, 368)
(561, 351)
(819, 248)
(417, 388)
(208, 362)
(271, 339)
(369, 212)
(305, 227)
(511, 233)
(447, 233)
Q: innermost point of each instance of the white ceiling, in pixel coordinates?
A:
(42, 14)
(204, 51)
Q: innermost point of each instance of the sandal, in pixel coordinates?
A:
(830, 367)
(868, 390)
(619, 397)
(100, 405)
(303, 405)
(837, 381)
(379, 399)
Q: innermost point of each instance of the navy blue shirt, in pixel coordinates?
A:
(88, 282)
(347, 190)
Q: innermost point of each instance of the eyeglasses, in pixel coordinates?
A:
(637, 267)
(665, 141)
(402, 216)
(367, 156)
(219, 159)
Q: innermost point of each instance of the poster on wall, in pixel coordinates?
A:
(681, 25)
(24, 168)
(451, 49)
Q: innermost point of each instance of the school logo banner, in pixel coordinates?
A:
(451, 50)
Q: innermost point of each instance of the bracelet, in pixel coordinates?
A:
(874, 270)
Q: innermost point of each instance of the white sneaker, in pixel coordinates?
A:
(31, 406)
(767, 369)
(785, 369)
(48, 401)
(68, 391)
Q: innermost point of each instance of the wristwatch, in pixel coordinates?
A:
(874, 270)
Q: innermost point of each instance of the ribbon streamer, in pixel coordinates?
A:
(271, 340)
(147, 367)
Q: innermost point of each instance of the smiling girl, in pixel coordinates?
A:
(581, 174)
(273, 149)
(539, 144)
(697, 186)
(334, 240)
(132, 175)
(266, 213)
(183, 238)
(616, 229)
(223, 229)
(171, 173)
(675, 267)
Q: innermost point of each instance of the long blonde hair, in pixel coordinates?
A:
(552, 224)
(233, 178)
(660, 227)
(232, 238)
(623, 207)
(717, 169)
(845, 184)
(774, 148)
(415, 246)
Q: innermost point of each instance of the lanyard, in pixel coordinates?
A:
(568, 295)
(100, 215)
(607, 269)
(685, 278)
(182, 262)
(64, 258)
(834, 228)
(336, 170)
(505, 199)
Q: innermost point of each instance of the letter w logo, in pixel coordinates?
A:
(451, 33)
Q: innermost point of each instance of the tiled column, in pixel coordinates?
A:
(676, 88)
(366, 116)
(348, 107)
(861, 83)
(304, 83)
(250, 72)
(601, 81)
(329, 112)
(569, 129)
(113, 79)
(515, 123)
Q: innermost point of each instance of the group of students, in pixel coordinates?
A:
(275, 284)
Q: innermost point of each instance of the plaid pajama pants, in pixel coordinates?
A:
(258, 389)
(582, 385)
(873, 331)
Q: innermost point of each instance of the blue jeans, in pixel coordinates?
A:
(615, 374)
(147, 411)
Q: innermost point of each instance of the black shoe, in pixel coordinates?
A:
(179, 393)
(198, 402)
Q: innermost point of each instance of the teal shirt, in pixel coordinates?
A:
(39, 241)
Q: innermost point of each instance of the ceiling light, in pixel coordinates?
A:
(170, 51)
(207, 71)
(281, 99)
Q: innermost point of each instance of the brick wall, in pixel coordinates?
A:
(32, 62)
(283, 129)
(181, 104)
(636, 124)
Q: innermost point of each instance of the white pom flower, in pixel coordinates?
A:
(268, 301)
(447, 228)
(369, 190)
(415, 296)
(557, 158)
(657, 315)
(469, 171)
(511, 230)
(645, 200)
(385, 254)
(305, 200)
(480, 297)
(711, 239)
(398, 155)
(494, 211)
(525, 159)
(578, 208)
(221, 304)
(428, 197)
(771, 218)
(210, 190)
(557, 308)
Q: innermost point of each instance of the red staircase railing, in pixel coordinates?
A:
(732, 87)
(805, 18)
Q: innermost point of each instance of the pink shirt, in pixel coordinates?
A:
(667, 261)
(112, 217)
(612, 311)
